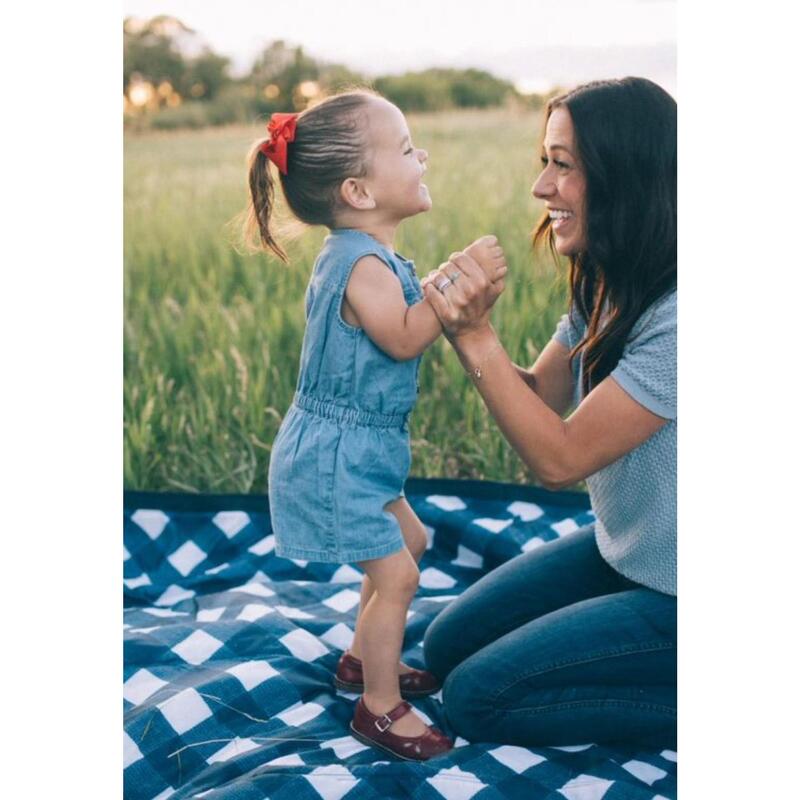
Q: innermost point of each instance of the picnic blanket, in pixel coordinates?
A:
(229, 653)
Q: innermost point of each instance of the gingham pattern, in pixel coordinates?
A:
(230, 650)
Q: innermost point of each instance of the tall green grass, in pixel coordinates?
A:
(213, 337)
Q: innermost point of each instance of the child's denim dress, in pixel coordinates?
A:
(343, 450)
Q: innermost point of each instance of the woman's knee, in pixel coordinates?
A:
(467, 707)
(438, 646)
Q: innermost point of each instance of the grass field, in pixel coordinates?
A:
(212, 337)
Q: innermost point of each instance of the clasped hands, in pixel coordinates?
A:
(464, 288)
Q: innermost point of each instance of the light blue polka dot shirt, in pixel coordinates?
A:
(635, 497)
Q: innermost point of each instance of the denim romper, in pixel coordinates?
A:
(343, 451)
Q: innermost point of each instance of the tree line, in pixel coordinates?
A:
(164, 87)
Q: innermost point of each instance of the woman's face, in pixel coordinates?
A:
(562, 184)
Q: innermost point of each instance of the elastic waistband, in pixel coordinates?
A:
(355, 416)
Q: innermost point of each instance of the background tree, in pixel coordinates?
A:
(168, 84)
(276, 75)
(151, 50)
(435, 89)
(205, 75)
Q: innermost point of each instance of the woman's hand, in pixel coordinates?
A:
(464, 304)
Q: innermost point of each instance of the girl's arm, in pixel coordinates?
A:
(375, 295)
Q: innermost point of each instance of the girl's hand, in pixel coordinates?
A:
(489, 255)
(464, 305)
(485, 249)
(428, 278)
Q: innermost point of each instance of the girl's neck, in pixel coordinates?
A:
(378, 229)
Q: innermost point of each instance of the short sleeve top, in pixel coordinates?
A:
(635, 497)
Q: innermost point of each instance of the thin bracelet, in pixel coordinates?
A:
(477, 373)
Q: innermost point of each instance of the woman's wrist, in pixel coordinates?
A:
(474, 346)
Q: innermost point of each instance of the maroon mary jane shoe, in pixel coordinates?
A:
(350, 678)
(374, 731)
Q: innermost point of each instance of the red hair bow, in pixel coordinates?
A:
(281, 128)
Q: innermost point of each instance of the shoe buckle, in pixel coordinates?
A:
(388, 724)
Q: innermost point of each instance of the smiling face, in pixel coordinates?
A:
(562, 184)
(396, 167)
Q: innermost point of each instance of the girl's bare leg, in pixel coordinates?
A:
(381, 626)
(416, 541)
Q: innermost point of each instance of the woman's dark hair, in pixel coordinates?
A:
(329, 146)
(626, 137)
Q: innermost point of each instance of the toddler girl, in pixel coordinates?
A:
(342, 454)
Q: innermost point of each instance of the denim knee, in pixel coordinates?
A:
(464, 705)
(434, 648)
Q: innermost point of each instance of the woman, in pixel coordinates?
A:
(575, 641)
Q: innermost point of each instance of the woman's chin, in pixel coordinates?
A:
(567, 246)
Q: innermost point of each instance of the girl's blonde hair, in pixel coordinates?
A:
(329, 146)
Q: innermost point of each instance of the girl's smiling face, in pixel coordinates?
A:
(562, 184)
(396, 167)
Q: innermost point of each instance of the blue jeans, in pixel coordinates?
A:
(554, 647)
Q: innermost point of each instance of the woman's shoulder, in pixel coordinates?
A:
(661, 315)
(667, 304)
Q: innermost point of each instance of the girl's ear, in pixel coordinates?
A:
(356, 194)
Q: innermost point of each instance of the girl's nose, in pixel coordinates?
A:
(423, 155)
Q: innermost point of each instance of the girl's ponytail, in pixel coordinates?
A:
(262, 196)
(314, 152)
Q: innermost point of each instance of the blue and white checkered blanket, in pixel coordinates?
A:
(230, 652)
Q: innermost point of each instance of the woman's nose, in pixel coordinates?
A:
(423, 155)
(542, 187)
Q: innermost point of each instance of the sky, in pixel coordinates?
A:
(533, 43)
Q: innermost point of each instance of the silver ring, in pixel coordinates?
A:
(443, 285)
(455, 276)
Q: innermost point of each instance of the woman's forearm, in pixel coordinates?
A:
(552, 392)
(534, 430)
(527, 376)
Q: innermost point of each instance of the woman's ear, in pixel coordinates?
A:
(356, 194)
